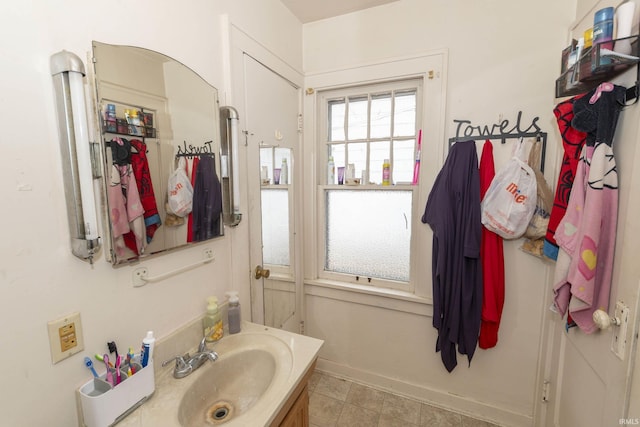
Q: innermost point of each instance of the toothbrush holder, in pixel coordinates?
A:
(103, 404)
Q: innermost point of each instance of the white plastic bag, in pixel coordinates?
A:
(180, 191)
(510, 201)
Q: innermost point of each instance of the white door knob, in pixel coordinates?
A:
(603, 321)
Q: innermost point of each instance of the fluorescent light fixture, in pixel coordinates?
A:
(231, 170)
(68, 72)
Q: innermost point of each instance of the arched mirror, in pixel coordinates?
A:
(160, 145)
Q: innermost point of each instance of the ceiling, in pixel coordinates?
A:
(314, 10)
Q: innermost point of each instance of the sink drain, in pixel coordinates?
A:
(219, 412)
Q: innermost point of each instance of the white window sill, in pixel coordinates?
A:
(390, 299)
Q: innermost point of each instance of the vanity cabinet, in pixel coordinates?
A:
(295, 412)
(298, 415)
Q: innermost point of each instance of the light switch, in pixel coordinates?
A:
(65, 337)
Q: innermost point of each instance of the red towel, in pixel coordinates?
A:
(492, 258)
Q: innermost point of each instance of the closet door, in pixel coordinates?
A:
(590, 375)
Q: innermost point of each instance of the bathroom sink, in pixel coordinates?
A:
(226, 389)
(256, 372)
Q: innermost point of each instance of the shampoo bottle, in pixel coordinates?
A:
(331, 172)
(386, 172)
(603, 33)
(284, 172)
(212, 322)
(234, 312)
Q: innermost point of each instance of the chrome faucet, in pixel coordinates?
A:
(187, 364)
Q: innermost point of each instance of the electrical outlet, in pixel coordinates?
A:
(619, 339)
(65, 337)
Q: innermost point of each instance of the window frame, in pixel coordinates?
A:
(368, 90)
(431, 66)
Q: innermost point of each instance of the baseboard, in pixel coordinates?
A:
(465, 406)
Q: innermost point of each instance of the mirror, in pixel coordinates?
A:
(160, 130)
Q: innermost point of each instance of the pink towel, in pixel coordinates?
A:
(125, 209)
(587, 233)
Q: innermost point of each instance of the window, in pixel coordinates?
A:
(366, 230)
(274, 195)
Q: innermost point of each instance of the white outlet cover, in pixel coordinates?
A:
(54, 337)
(619, 338)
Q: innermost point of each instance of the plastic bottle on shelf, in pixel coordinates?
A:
(386, 172)
(110, 118)
(603, 31)
(284, 172)
(212, 322)
(331, 172)
(624, 24)
(234, 312)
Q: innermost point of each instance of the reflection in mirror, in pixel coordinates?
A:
(160, 140)
(276, 180)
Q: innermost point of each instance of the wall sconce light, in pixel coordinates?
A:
(230, 171)
(77, 152)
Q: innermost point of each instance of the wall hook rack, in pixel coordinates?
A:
(501, 131)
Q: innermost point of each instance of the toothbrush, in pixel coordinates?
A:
(113, 348)
(89, 364)
(101, 359)
(130, 356)
(118, 363)
(416, 167)
(109, 374)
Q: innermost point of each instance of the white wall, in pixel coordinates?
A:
(504, 57)
(39, 278)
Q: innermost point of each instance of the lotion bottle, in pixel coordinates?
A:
(386, 172)
(331, 172)
(212, 322)
(284, 172)
(234, 312)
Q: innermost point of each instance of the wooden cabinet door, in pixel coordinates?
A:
(298, 415)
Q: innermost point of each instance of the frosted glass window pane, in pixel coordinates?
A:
(369, 233)
(336, 120)
(379, 152)
(405, 114)
(381, 116)
(403, 161)
(358, 156)
(357, 125)
(275, 226)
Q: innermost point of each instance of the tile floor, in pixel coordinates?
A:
(335, 402)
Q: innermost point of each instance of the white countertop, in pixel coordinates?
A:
(162, 408)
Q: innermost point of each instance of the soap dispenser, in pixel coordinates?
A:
(212, 321)
(234, 312)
